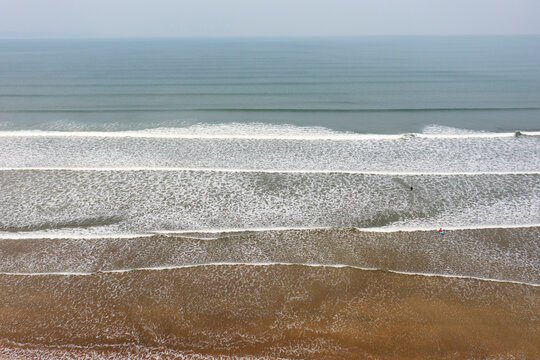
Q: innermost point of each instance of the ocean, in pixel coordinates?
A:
(270, 198)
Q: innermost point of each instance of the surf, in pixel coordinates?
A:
(256, 132)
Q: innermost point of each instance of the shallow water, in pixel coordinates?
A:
(497, 254)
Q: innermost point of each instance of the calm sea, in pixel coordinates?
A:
(365, 85)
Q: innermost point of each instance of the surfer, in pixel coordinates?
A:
(441, 231)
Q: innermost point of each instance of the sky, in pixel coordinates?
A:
(209, 18)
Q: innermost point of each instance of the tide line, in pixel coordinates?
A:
(272, 171)
(337, 266)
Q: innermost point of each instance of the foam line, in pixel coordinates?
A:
(34, 236)
(175, 134)
(378, 229)
(448, 228)
(272, 171)
(337, 266)
(234, 230)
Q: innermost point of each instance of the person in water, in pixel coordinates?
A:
(411, 188)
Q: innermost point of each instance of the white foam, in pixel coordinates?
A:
(449, 228)
(273, 171)
(402, 155)
(117, 202)
(70, 235)
(378, 229)
(235, 230)
(91, 236)
(434, 129)
(162, 268)
(259, 131)
(63, 234)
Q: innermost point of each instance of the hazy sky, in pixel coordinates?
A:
(155, 18)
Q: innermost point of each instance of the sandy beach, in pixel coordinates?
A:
(275, 311)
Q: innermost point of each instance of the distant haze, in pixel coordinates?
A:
(178, 18)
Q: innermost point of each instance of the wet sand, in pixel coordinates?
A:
(266, 311)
